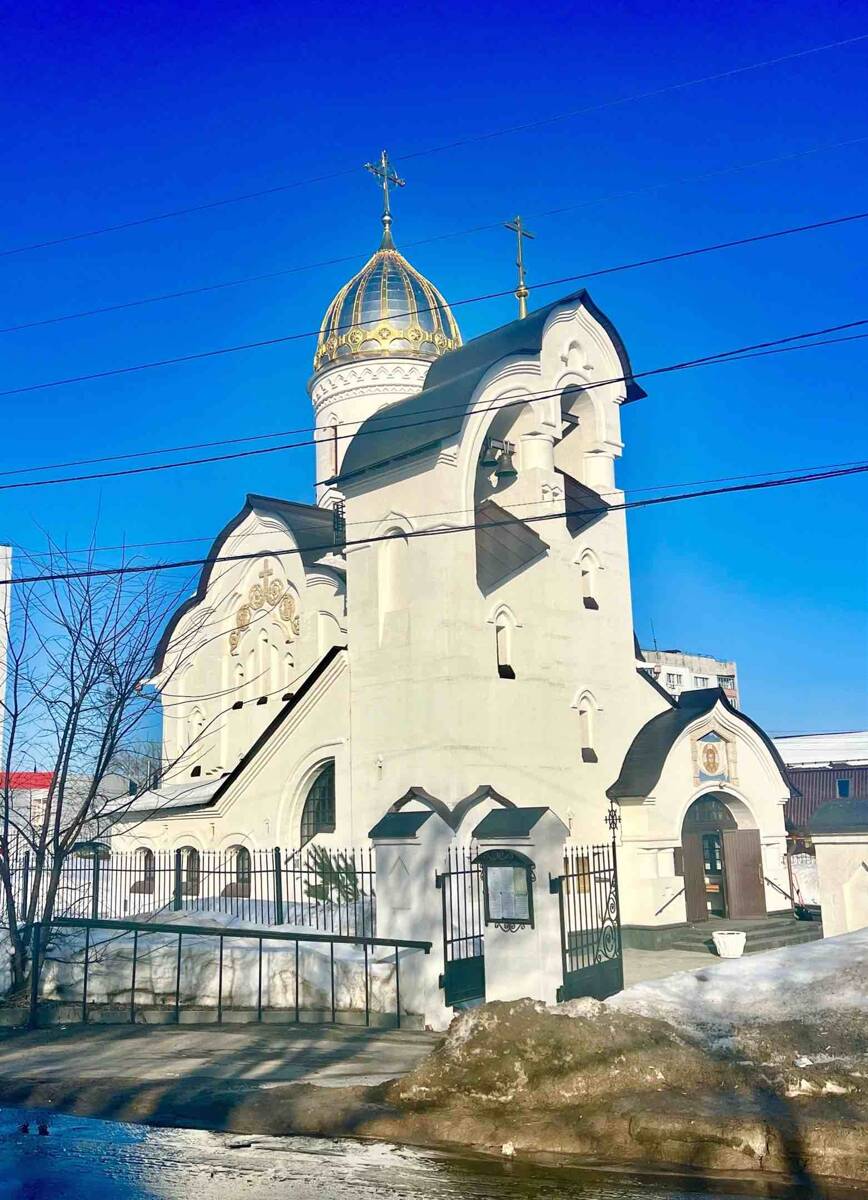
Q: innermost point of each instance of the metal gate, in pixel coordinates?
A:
(590, 923)
(463, 978)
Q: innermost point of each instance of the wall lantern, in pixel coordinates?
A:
(507, 888)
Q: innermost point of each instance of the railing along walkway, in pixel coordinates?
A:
(40, 937)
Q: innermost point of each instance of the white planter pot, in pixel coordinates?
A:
(729, 943)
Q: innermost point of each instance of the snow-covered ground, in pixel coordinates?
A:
(806, 983)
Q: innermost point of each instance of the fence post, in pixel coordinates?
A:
(35, 952)
(94, 897)
(278, 886)
(176, 888)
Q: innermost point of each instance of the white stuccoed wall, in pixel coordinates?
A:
(429, 707)
(842, 870)
(409, 907)
(527, 960)
(344, 395)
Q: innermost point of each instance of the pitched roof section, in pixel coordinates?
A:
(413, 425)
(583, 506)
(404, 824)
(311, 527)
(509, 822)
(644, 761)
(504, 545)
(841, 816)
(178, 798)
(24, 780)
(816, 786)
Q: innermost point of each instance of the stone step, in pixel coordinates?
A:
(795, 933)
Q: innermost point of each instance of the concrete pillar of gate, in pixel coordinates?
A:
(522, 948)
(410, 848)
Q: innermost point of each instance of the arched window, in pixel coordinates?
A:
(146, 873)
(503, 639)
(318, 815)
(586, 728)
(242, 870)
(393, 571)
(189, 871)
(589, 574)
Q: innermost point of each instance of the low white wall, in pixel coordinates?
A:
(842, 874)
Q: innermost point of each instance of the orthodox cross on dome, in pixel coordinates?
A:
(386, 174)
(521, 292)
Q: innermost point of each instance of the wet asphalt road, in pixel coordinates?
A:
(83, 1159)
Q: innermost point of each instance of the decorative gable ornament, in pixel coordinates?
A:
(271, 593)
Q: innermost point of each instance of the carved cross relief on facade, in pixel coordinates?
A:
(272, 594)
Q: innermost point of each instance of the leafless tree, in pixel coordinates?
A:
(79, 648)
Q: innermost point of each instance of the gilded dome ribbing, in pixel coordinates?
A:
(387, 310)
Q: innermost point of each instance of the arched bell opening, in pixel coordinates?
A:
(721, 861)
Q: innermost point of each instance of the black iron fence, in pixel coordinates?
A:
(460, 885)
(590, 922)
(316, 887)
(354, 979)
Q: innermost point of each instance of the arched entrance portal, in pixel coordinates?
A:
(722, 864)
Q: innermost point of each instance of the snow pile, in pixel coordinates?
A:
(809, 984)
(111, 959)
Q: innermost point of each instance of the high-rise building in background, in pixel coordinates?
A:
(679, 671)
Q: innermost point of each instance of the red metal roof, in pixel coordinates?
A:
(25, 779)
(817, 786)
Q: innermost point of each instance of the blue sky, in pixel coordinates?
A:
(112, 114)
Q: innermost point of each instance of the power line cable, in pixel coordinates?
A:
(471, 139)
(150, 568)
(49, 555)
(778, 345)
(281, 340)
(312, 428)
(440, 237)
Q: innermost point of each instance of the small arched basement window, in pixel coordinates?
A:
(318, 815)
(241, 868)
(146, 873)
(189, 871)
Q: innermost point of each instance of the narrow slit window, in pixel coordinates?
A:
(503, 638)
(586, 730)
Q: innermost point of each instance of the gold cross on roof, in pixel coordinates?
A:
(521, 292)
(386, 174)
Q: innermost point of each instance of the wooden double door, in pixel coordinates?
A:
(723, 875)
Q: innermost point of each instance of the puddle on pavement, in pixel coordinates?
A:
(80, 1158)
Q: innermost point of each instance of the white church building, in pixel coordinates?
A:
(449, 625)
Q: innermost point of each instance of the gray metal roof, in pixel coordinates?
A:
(508, 822)
(405, 824)
(504, 545)
(841, 816)
(436, 414)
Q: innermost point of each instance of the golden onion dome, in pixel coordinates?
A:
(387, 310)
